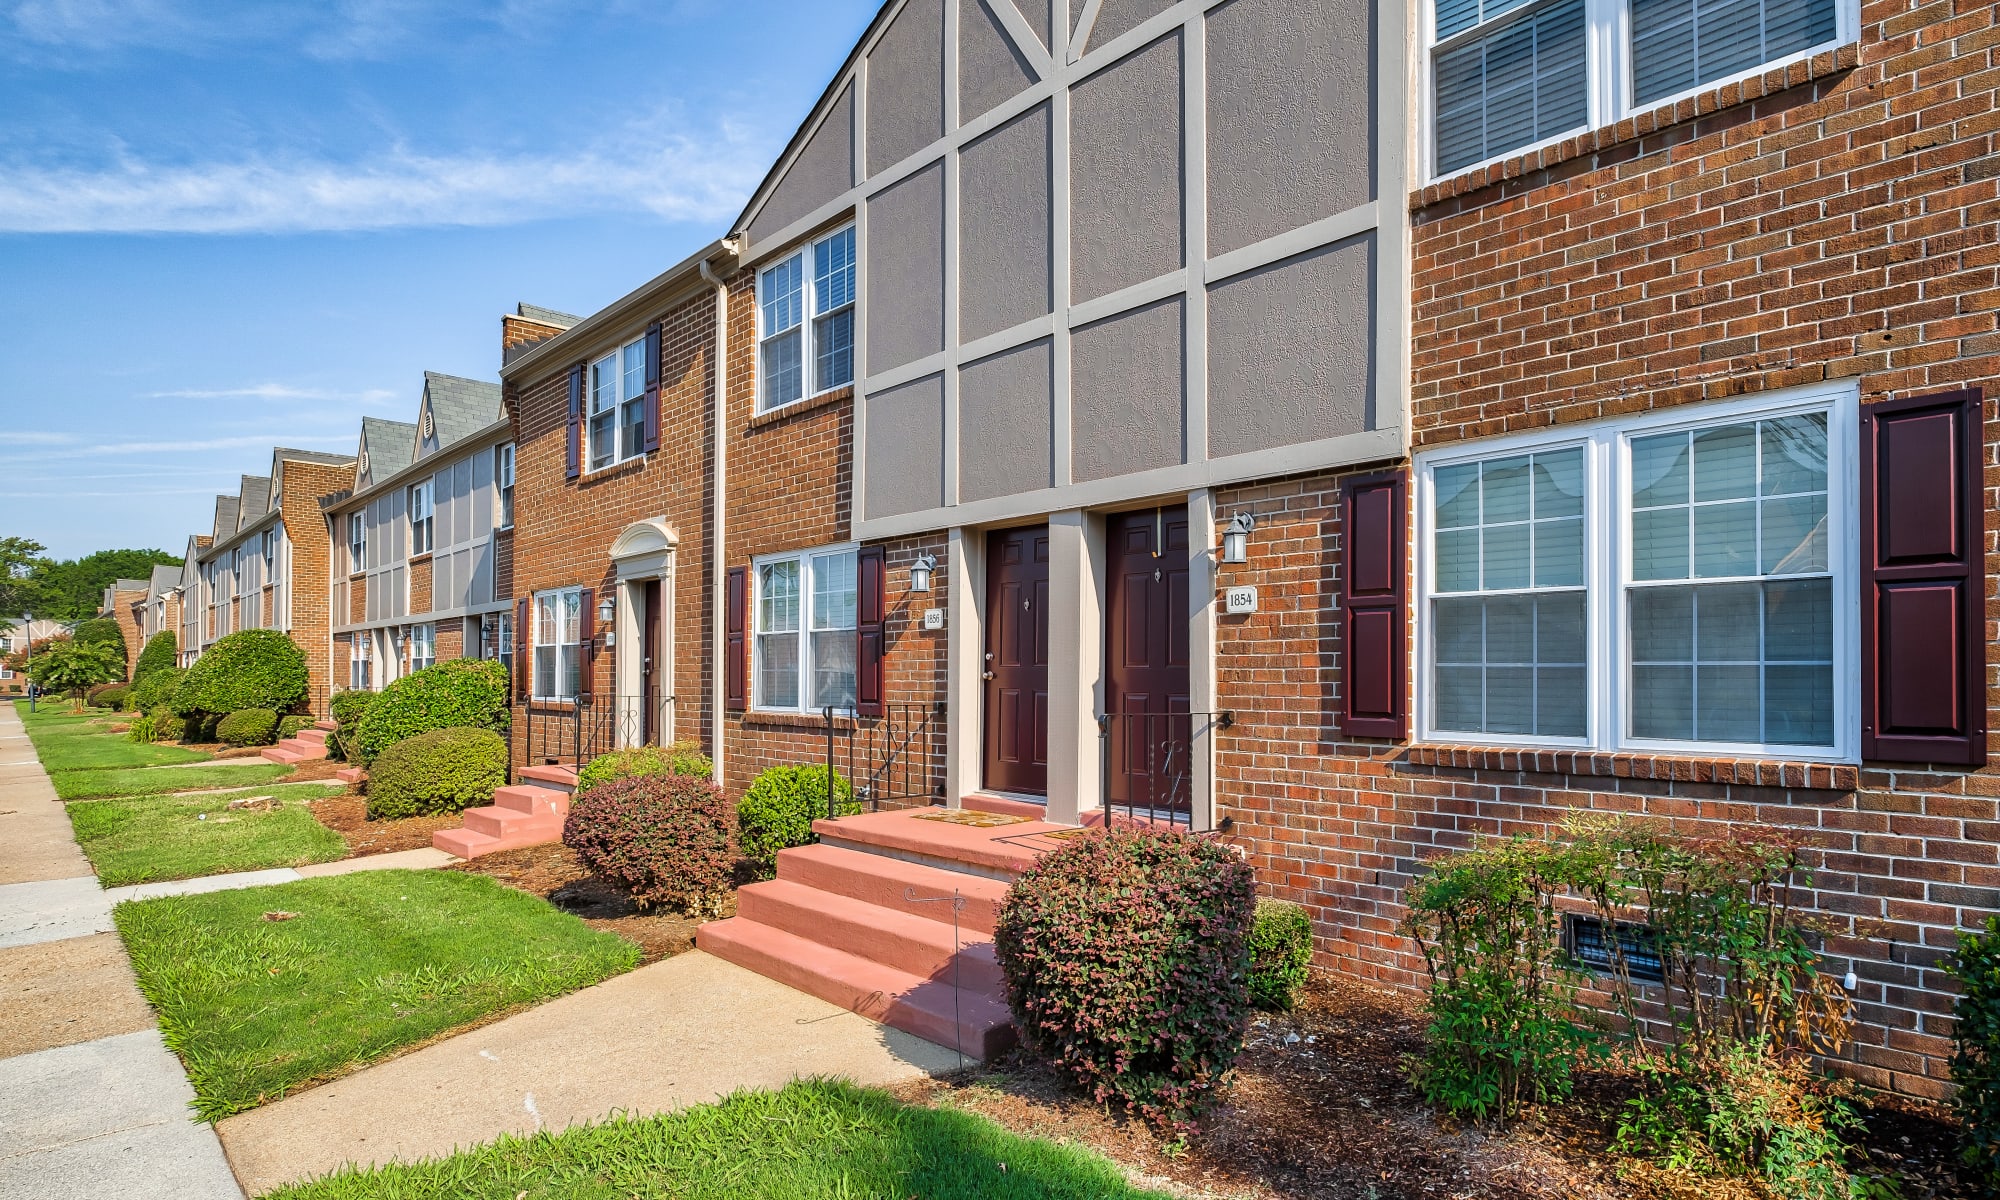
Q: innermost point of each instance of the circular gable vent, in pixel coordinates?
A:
(430, 425)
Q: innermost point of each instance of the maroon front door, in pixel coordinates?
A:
(1146, 660)
(649, 674)
(1017, 660)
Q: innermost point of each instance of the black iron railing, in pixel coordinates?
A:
(894, 755)
(1149, 763)
(572, 732)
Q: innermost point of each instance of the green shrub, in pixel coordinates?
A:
(778, 811)
(1281, 952)
(156, 689)
(109, 695)
(157, 655)
(254, 668)
(347, 709)
(290, 726)
(142, 729)
(1126, 954)
(250, 727)
(681, 758)
(1504, 1025)
(167, 726)
(1975, 1061)
(442, 771)
(198, 728)
(469, 693)
(664, 838)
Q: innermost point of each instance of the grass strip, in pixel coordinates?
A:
(153, 781)
(814, 1140)
(371, 963)
(91, 747)
(146, 839)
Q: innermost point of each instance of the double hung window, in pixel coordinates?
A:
(503, 473)
(357, 542)
(618, 405)
(806, 321)
(558, 644)
(423, 646)
(357, 663)
(1662, 584)
(269, 548)
(805, 643)
(421, 540)
(1510, 74)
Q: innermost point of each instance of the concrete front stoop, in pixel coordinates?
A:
(864, 920)
(528, 813)
(306, 745)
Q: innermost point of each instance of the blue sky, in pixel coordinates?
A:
(229, 224)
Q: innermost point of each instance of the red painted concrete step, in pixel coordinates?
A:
(1000, 852)
(880, 880)
(521, 814)
(900, 939)
(914, 1004)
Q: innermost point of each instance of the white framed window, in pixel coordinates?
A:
(269, 548)
(358, 677)
(357, 542)
(423, 646)
(558, 651)
(805, 321)
(421, 538)
(1679, 582)
(496, 638)
(617, 418)
(1506, 76)
(804, 626)
(503, 475)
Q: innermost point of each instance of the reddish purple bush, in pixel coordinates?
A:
(1127, 959)
(667, 839)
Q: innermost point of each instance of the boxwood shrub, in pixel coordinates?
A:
(442, 771)
(347, 708)
(1126, 954)
(253, 668)
(167, 725)
(681, 758)
(664, 838)
(155, 690)
(157, 655)
(1975, 1061)
(290, 726)
(249, 727)
(778, 811)
(1281, 951)
(109, 695)
(469, 693)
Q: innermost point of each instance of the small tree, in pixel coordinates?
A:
(67, 666)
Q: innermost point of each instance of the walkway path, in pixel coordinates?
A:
(92, 1103)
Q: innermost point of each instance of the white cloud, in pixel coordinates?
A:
(121, 449)
(672, 175)
(34, 437)
(274, 391)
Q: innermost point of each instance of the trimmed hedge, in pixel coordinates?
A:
(158, 654)
(1281, 953)
(290, 726)
(108, 695)
(1126, 954)
(1975, 1061)
(681, 758)
(442, 771)
(664, 838)
(778, 811)
(253, 668)
(470, 693)
(156, 689)
(347, 709)
(167, 725)
(249, 727)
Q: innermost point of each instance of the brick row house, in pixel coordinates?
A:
(1350, 428)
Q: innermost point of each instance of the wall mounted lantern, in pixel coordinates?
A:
(1236, 538)
(920, 572)
(607, 610)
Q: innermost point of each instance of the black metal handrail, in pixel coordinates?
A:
(573, 732)
(896, 754)
(1149, 764)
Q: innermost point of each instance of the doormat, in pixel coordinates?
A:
(966, 816)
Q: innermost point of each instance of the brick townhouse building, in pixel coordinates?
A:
(265, 563)
(193, 605)
(122, 601)
(421, 565)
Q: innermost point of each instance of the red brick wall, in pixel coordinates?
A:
(420, 585)
(312, 562)
(1837, 221)
(122, 611)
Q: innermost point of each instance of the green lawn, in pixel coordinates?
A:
(815, 1140)
(144, 839)
(152, 781)
(373, 962)
(70, 742)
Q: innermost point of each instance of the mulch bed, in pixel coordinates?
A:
(554, 873)
(1322, 1108)
(347, 815)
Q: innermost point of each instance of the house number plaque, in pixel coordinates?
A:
(1239, 600)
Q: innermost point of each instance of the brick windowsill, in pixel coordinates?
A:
(1754, 772)
(1739, 100)
(755, 718)
(799, 408)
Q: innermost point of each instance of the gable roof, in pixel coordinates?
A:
(225, 518)
(545, 316)
(457, 408)
(165, 579)
(386, 447)
(254, 500)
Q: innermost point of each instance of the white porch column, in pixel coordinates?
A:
(1203, 688)
(965, 639)
(1076, 664)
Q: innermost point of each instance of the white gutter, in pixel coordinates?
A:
(719, 628)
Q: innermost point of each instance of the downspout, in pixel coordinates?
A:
(718, 628)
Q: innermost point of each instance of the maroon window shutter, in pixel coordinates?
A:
(1923, 581)
(736, 674)
(587, 637)
(573, 464)
(523, 666)
(652, 387)
(1372, 598)
(872, 629)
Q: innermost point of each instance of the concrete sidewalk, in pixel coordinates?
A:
(92, 1104)
(687, 1030)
